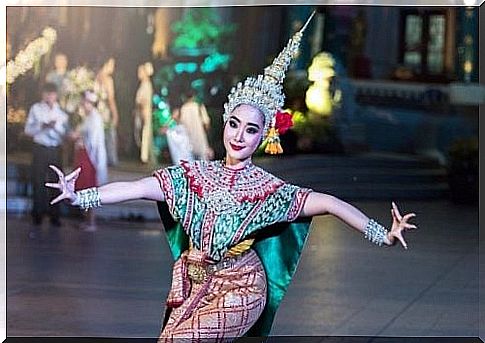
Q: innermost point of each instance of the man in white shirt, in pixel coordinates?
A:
(47, 125)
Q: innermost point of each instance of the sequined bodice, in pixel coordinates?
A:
(218, 206)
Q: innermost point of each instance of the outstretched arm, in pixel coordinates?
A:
(147, 188)
(319, 204)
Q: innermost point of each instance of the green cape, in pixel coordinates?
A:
(279, 247)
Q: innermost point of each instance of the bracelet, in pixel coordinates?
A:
(375, 232)
(88, 198)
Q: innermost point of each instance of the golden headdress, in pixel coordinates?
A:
(265, 92)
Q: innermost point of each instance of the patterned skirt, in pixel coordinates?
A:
(219, 309)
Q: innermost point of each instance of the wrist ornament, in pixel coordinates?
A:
(375, 232)
(88, 198)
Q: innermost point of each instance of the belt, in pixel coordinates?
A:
(199, 272)
(198, 269)
(192, 266)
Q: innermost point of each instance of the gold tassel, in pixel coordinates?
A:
(273, 145)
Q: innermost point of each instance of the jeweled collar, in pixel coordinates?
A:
(222, 163)
(248, 183)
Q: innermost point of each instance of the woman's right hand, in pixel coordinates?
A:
(79, 144)
(66, 185)
(74, 135)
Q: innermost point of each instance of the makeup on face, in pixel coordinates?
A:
(242, 132)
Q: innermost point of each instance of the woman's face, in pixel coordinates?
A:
(60, 62)
(141, 73)
(109, 66)
(88, 106)
(242, 132)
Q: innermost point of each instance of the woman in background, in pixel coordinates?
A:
(104, 86)
(193, 116)
(144, 112)
(90, 152)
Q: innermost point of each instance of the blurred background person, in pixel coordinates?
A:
(57, 76)
(143, 112)
(193, 116)
(104, 85)
(47, 125)
(178, 141)
(90, 152)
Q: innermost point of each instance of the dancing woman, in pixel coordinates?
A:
(236, 231)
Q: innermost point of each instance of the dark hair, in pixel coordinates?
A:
(190, 93)
(95, 103)
(49, 87)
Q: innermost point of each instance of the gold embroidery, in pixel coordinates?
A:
(239, 248)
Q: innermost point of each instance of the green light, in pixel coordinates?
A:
(189, 67)
(162, 105)
(156, 99)
(199, 83)
(199, 28)
(214, 61)
(179, 68)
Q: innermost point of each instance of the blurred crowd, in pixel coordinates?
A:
(75, 124)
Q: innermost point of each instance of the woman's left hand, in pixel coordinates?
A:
(74, 135)
(399, 225)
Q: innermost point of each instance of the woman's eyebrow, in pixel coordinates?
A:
(253, 124)
(235, 118)
(239, 121)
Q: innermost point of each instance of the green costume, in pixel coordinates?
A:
(201, 202)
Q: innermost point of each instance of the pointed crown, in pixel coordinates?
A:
(266, 91)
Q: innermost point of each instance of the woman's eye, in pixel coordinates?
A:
(232, 124)
(252, 130)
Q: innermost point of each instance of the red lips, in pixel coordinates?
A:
(236, 147)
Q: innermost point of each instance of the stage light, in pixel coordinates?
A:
(318, 98)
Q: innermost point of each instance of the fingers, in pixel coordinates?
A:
(397, 215)
(407, 216)
(73, 175)
(409, 226)
(396, 211)
(402, 224)
(53, 185)
(57, 170)
(394, 217)
(59, 198)
(401, 239)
